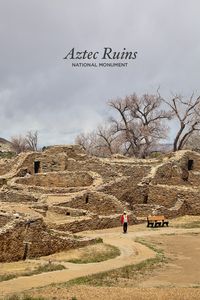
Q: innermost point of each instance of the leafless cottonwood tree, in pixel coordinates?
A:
(108, 141)
(141, 122)
(99, 142)
(29, 142)
(87, 141)
(18, 144)
(187, 112)
(193, 142)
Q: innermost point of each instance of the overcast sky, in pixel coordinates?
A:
(39, 90)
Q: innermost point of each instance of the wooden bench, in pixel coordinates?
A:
(155, 221)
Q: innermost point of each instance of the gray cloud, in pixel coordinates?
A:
(39, 90)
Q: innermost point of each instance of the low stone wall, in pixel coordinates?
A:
(53, 159)
(34, 240)
(178, 169)
(143, 210)
(97, 222)
(15, 196)
(171, 173)
(71, 151)
(125, 188)
(57, 179)
(96, 202)
(4, 219)
(68, 211)
(163, 195)
(194, 178)
(168, 196)
(4, 167)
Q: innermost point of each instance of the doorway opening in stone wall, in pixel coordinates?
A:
(36, 166)
(26, 248)
(145, 199)
(190, 164)
(87, 199)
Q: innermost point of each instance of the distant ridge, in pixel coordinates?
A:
(5, 145)
(4, 141)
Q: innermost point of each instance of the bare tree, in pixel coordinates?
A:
(138, 125)
(188, 115)
(193, 142)
(100, 142)
(19, 144)
(31, 140)
(108, 141)
(141, 122)
(87, 141)
(123, 125)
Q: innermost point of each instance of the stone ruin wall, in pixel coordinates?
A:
(169, 197)
(4, 219)
(124, 188)
(27, 164)
(5, 166)
(175, 171)
(53, 159)
(40, 241)
(98, 203)
(68, 211)
(162, 195)
(16, 196)
(94, 223)
(57, 179)
(72, 151)
(46, 163)
(171, 190)
(172, 184)
(106, 171)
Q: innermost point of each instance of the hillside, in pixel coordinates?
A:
(5, 145)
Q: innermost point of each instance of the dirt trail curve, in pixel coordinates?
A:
(131, 253)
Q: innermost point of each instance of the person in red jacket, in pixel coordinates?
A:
(124, 221)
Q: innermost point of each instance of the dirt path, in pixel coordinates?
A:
(131, 253)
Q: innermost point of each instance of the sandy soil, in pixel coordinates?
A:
(183, 269)
(115, 293)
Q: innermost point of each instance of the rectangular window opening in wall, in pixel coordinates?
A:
(68, 213)
(36, 166)
(190, 164)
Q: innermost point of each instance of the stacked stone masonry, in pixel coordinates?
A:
(61, 189)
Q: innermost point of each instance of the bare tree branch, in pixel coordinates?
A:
(188, 115)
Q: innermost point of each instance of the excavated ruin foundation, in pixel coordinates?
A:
(47, 196)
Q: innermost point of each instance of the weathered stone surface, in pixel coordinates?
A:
(33, 238)
(63, 190)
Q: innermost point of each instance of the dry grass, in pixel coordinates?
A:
(194, 224)
(39, 270)
(24, 297)
(88, 254)
(94, 254)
